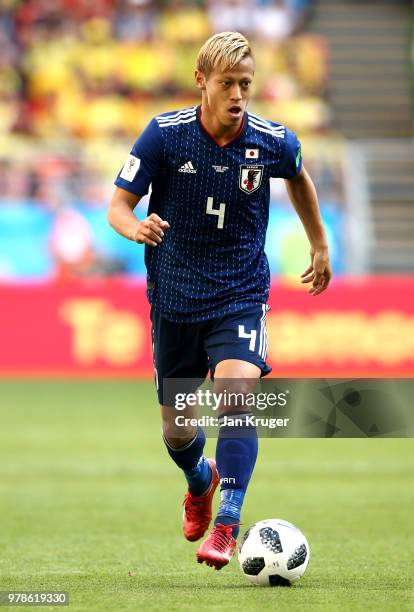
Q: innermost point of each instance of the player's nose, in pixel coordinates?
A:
(236, 93)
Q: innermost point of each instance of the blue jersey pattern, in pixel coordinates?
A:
(216, 200)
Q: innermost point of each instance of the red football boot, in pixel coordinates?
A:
(218, 549)
(197, 513)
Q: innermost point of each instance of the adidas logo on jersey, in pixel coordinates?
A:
(188, 167)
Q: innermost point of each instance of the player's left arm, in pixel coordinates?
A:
(303, 196)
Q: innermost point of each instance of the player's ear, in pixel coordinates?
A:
(200, 79)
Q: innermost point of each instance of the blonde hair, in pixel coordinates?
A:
(223, 51)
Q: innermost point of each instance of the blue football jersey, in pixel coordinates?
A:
(216, 200)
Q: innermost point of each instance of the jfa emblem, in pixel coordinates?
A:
(250, 178)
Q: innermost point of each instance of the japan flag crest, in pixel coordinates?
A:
(252, 153)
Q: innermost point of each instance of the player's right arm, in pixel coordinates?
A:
(122, 218)
(142, 167)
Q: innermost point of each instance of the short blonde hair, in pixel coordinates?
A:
(223, 51)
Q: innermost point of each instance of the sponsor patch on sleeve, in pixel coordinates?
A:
(298, 156)
(130, 168)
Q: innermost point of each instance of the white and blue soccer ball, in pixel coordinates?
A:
(273, 553)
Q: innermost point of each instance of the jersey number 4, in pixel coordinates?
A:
(218, 212)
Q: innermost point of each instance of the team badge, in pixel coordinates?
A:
(250, 178)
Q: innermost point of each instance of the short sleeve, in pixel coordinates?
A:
(291, 162)
(144, 162)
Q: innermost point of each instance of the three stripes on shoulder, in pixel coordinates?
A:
(187, 115)
(184, 116)
(265, 126)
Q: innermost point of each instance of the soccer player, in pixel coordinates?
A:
(207, 274)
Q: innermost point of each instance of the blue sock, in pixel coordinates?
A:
(191, 460)
(236, 456)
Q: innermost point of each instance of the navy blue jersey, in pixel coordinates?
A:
(216, 200)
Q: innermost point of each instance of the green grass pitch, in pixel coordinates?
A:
(90, 503)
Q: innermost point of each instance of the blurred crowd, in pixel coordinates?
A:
(79, 80)
(87, 68)
(53, 211)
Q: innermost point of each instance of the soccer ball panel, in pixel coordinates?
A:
(270, 539)
(276, 580)
(297, 558)
(253, 565)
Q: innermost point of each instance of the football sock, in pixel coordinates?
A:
(236, 455)
(191, 460)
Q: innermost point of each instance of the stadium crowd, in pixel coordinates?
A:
(85, 68)
(79, 80)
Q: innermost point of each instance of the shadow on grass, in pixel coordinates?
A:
(117, 583)
(205, 583)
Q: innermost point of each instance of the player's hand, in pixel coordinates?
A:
(150, 230)
(319, 272)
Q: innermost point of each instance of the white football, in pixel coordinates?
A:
(273, 553)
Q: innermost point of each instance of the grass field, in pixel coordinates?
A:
(91, 504)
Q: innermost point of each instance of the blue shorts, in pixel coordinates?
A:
(191, 350)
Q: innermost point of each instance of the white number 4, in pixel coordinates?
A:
(252, 336)
(214, 211)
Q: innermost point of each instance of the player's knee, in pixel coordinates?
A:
(178, 434)
(234, 391)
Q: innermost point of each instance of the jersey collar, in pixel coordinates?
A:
(210, 137)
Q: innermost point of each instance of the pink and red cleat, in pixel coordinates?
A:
(219, 547)
(198, 509)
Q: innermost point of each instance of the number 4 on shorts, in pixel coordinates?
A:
(251, 336)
